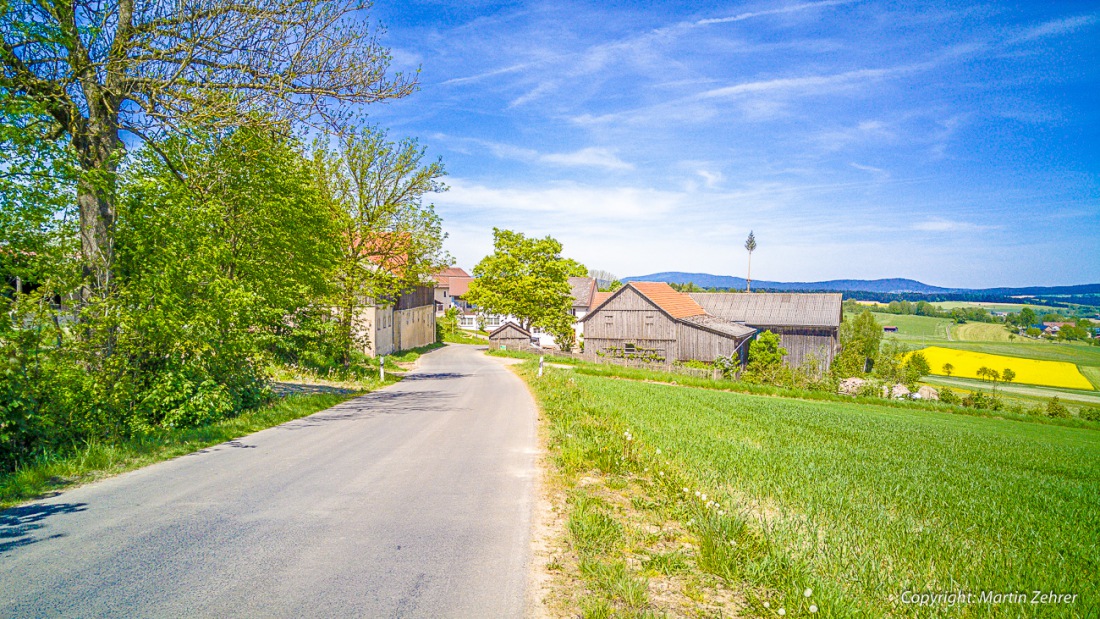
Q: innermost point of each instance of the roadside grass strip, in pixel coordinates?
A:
(1028, 371)
(691, 502)
(87, 463)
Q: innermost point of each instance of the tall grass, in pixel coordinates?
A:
(97, 460)
(855, 502)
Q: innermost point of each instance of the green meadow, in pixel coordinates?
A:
(857, 503)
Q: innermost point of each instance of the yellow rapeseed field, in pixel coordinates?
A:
(1029, 371)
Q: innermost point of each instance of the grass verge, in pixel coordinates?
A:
(464, 337)
(98, 460)
(691, 502)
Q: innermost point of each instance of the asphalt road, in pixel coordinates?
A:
(413, 501)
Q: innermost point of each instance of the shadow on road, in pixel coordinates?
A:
(434, 376)
(283, 389)
(18, 525)
(374, 405)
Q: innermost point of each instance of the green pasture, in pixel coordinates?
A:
(855, 501)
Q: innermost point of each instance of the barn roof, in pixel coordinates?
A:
(598, 298)
(510, 325)
(773, 309)
(443, 276)
(676, 304)
(718, 325)
(582, 289)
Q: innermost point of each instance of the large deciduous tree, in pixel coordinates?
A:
(390, 241)
(527, 278)
(101, 70)
(859, 341)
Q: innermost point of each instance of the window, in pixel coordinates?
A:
(630, 348)
(608, 319)
(649, 319)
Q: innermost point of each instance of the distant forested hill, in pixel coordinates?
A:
(886, 289)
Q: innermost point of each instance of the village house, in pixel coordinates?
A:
(652, 322)
(808, 324)
(406, 322)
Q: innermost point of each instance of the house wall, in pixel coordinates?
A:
(413, 327)
(702, 345)
(802, 342)
(373, 326)
(408, 323)
(630, 318)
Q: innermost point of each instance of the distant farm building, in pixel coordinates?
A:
(808, 325)
(652, 322)
(890, 329)
(511, 336)
(406, 322)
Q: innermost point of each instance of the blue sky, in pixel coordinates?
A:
(954, 143)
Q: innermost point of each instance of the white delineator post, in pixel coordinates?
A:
(382, 368)
(540, 365)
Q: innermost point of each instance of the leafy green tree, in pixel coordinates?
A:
(859, 342)
(948, 369)
(390, 241)
(96, 71)
(528, 278)
(1008, 375)
(765, 360)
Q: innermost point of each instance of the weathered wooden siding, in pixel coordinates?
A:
(702, 345)
(630, 318)
(803, 342)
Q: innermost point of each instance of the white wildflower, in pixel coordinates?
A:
(766, 604)
(808, 592)
(658, 451)
(813, 608)
(781, 612)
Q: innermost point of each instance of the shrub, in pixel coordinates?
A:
(1056, 409)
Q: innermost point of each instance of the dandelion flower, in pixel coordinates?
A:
(662, 473)
(813, 608)
(808, 592)
(697, 493)
(781, 612)
(686, 491)
(704, 497)
(658, 451)
(766, 604)
(721, 513)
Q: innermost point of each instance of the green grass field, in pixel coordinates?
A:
(915, 328)
(994, 307)
(982, 332)
(857, 502)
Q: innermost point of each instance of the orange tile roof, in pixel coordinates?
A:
(677, 304)
(598, 298)
(452, 272)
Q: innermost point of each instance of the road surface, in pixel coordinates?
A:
(413, 501)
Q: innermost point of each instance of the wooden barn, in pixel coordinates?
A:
(651, 322)
(807, 324)
(512, 337)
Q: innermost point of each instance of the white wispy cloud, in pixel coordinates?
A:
(779, 11)
(1057, 27)
(588, 157)
(949, 225)
(516, 68)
